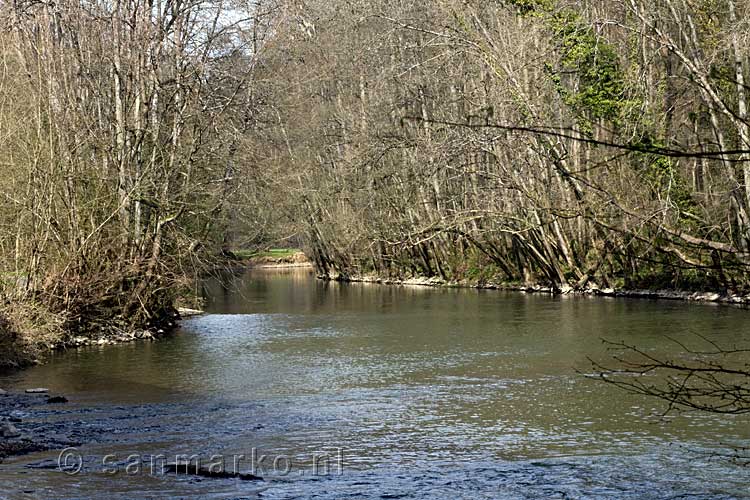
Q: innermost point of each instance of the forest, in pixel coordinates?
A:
(569, 144)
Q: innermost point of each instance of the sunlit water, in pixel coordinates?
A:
(369, 391)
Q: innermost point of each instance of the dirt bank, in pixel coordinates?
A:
(26, 340)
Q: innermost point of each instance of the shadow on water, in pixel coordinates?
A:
(409, 393)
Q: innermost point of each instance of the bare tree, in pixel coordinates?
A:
(120, 129)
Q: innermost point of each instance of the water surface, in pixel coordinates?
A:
(402, 392)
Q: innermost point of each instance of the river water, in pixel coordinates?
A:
(371, 391)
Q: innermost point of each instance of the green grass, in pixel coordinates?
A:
(276, 253)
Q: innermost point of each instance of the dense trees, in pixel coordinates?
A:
(570, 143)
(120, 124)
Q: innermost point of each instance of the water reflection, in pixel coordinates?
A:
(429, 391)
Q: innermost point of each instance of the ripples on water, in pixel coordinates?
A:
(428, 394)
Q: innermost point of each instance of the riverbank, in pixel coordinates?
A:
(275, 259)
(20, 432)
(28, 341)
(680, 295)
(286, 366)
(281, 265)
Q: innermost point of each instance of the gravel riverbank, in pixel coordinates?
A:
(709, 296)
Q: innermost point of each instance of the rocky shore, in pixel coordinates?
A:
(711, 297)
(125, 336)
(20, 433)
(34, 421)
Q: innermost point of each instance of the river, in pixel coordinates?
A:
(372, 391)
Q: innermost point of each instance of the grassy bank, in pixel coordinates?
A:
(272, 257)
(271, 253)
